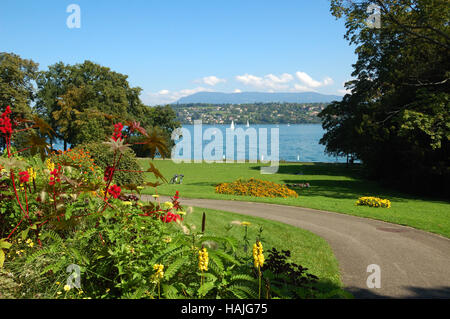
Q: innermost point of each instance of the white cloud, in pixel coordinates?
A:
(211, 80)
(249, 79)
(166, 97)
(268, 82)
(328, 81)
(285, 82)
(301, 88)
(306, 79)
(310, 82)
(284, 78)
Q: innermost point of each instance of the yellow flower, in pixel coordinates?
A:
(246, 223)
(258, 255)
(66, 288)
(203, 259)
(50, 164)
(168, 205)
(155, 196)
(127, 203)
(373, 202)
(30, 243)
(58, 283)
(32, 174)
(159, 271)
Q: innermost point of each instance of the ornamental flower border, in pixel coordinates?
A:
(57, 176)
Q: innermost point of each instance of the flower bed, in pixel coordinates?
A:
(256, 188)
(373, 202)
(59, 212)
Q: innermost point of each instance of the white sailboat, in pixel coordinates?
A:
(232, 125)
(248, 124)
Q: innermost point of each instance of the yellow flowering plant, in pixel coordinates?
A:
(256, 188)
(373, 202)
(158, 276)
(258, 261)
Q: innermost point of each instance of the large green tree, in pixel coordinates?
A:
(17, 89)
(17, 78)
(397, 117)
(82, 101)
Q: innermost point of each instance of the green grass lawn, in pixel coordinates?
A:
(307, 249)
(333, 188)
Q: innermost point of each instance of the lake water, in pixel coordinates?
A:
(297, 142)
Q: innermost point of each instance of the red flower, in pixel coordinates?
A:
(170, 217)
(55, 176)
(117, 135)
(24, 177)
(114, 191)
(5, 122)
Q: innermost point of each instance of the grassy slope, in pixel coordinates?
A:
(333, 188)
(307, 249)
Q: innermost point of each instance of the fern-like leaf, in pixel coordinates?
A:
(205, 288)
(174, 267)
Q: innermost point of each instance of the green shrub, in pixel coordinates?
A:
(104, 157)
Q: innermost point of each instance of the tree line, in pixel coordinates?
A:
(396, 119)
(79, 102)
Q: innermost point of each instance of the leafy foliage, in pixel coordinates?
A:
(81, 101)
(286, 278)
(103, 157)
(396, 119)
(68, 211)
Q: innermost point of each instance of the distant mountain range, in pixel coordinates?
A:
(257, 97)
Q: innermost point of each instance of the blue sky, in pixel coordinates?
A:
(175, 48)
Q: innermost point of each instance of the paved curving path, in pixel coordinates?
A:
(413, 263)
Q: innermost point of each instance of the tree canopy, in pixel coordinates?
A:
(17, 76)
(81, 101)
(396, 119)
